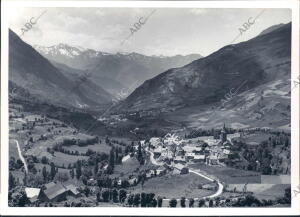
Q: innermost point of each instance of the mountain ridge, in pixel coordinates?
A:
(128, 69)
(30, 70)
(177, 87)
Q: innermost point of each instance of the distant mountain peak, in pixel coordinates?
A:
(271, 28)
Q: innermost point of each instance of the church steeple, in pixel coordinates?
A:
(223, 134)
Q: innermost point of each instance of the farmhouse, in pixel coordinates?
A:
(56, 192)
(161, 170)
(189, 156)
(199, 158)
(53, 192)
(72, 190)
(212, 160)
(154, 141)
(133, 181)
(120, 181)
(179, 159)
(180, 169)
(150, 173)
(32, 194)
(198, 150)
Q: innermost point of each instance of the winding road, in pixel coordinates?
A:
(21, 156)
(220, 186)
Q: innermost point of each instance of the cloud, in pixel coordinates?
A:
(169, 31)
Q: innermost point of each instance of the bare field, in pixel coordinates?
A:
(229, 175)
(175, 186)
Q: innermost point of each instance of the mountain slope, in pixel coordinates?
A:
(110, 85)
(207, 80)
(128, 69)
(31, 71)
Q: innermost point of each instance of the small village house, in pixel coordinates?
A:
(179, 159)
(180, 169)
(212, 160)
(53, 192)
(72, 190)
(189, 156)
(32, 194)
(161, 170)
(133, 181)
(199, 159)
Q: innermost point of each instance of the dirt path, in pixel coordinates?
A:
(21, 156)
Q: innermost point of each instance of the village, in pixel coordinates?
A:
(54, 164)
(179, 152)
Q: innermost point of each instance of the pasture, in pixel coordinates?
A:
(229, 175)
(175, 186)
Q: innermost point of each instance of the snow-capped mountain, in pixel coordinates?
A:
(31, 72)
(128, 69)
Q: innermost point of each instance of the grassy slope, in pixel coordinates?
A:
(170, 186)
(229, 175)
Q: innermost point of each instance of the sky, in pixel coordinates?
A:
(167, 31)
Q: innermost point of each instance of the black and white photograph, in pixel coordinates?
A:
(151, 107)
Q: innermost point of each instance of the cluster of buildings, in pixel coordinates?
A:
(52, 192)
(173, 150)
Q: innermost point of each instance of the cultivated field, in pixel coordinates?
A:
(262, 191)
(229, 175)
(175, 186)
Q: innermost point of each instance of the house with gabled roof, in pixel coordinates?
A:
(32, 194)
(56, 192)
(179, 159)
(199, 158)
(180, 169)
(72, 190)
(53, 192)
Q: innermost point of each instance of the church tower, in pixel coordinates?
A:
(223, 135)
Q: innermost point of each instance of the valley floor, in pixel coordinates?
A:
(113, 171)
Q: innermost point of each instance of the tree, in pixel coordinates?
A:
(137, 199)
(86, 191)
(159, 201)
(96, 168)
(106, 140)
(105, 195)
(115, 196)
(72, 173)
(154, 202)
(182, 202)
(21, 199)
(117, 155)
(191, 202)
(78, 169)
(130, 200)
(98, 197)
(173, 202)
(201, 203)
(122, 195)
(111, 159)
(143, 199)
(287, 195)
(140, 154)
(150, 200)
(52, 170)
(210, 203)
(12, 181)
